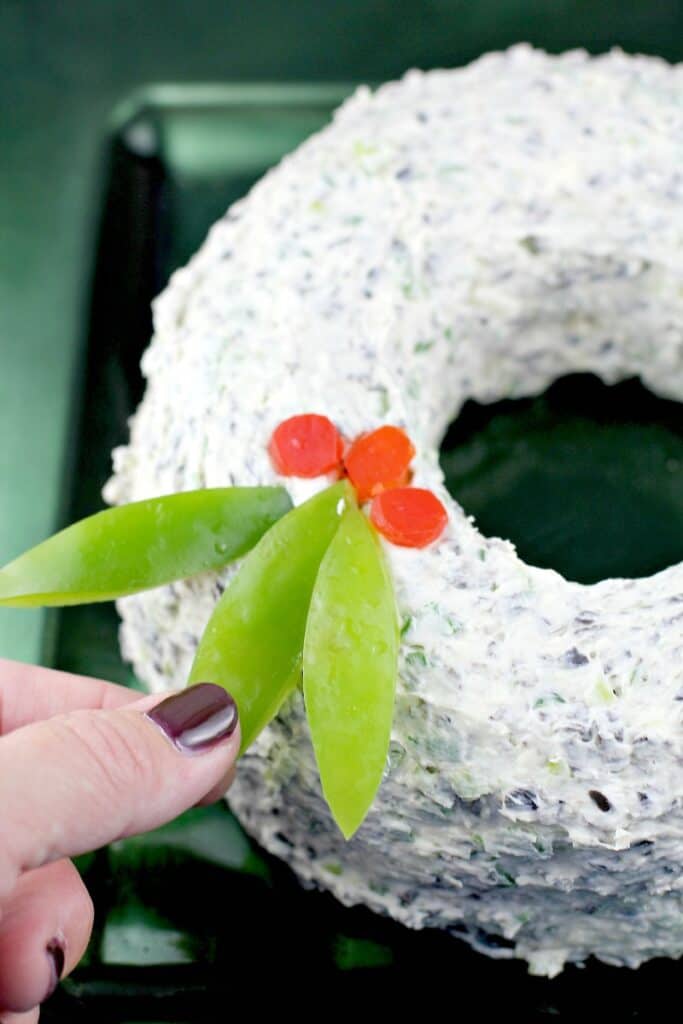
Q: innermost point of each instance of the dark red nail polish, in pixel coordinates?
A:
(55, 956)
(196, 719)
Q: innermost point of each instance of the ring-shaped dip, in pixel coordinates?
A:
(459, 234)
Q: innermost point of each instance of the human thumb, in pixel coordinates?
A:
(77, 781)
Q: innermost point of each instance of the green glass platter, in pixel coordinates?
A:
(585, 479)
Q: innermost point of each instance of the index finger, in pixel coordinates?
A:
(30, 694)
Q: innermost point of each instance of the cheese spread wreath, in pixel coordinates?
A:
(459, 234)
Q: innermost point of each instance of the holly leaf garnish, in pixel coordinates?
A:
(350, 668)
(142, 545)
(253, 644)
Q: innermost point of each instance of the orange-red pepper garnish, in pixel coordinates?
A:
(308, 445)
(409, 516)
(378, 461)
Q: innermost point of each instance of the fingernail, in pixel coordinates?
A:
(196, 719)
(55, 956)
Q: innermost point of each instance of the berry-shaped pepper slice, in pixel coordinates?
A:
(378, 461)
(409, 516)
(308, 446)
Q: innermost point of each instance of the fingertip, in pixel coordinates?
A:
(83, 779)
(44, 931)
(28, 976)
(219, 791)
(31, 1017)
(195, 720)
(56, 958)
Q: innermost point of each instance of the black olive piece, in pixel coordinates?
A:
(407, 897)
(494, 941)
(521, 800)
(440, 883)
(458, 929)
(575, 657)
(600, 800)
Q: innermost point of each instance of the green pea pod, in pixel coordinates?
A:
(350, 669)
(142, 545)
(253, 643)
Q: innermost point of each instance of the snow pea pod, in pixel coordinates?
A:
(350, 669)
(142, 545)
(253, 643)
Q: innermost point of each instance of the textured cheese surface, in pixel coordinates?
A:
(469, 233)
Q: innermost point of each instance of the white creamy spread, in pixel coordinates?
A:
(459, 234)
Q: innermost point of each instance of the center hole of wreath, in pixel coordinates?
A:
(586, 479)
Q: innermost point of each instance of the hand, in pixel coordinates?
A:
(83, 763)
